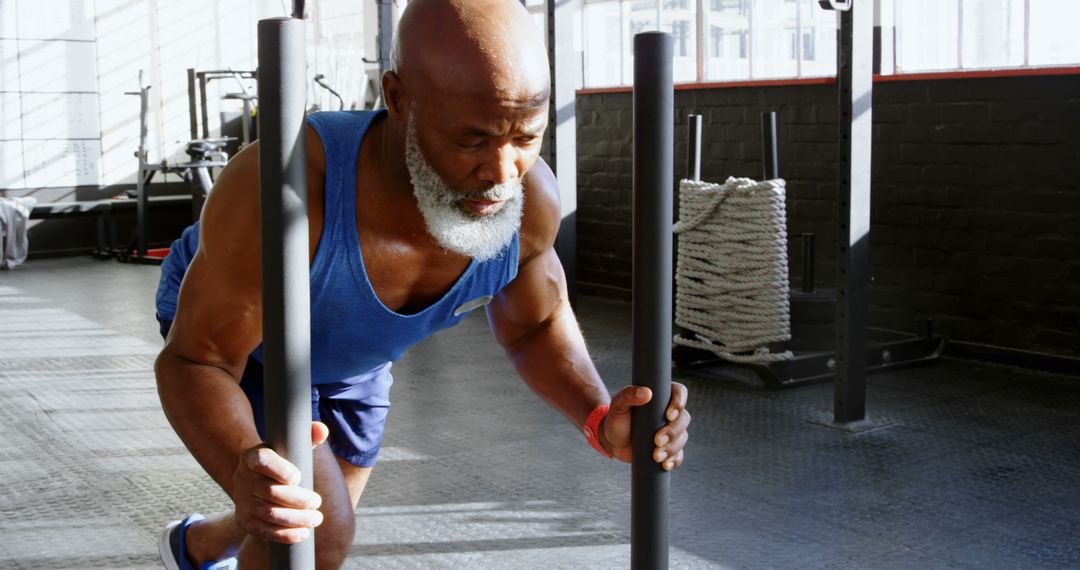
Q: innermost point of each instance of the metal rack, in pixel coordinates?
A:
(830, 339)
(198, 114)
(206, 154)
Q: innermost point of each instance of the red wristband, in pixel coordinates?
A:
(592, 429)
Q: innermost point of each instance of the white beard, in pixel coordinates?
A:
(455, 229)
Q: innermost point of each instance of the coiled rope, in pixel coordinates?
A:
(732, 269)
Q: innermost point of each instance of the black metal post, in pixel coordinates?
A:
(204, 113)
(142, 182)
(384, 40)
(855, 82)
(654, 150)
(693, 147)
(770, 151)
(193, 112)
(285, 247)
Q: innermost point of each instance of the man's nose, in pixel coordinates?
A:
(501, 166)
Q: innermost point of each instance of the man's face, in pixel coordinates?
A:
(467, 170)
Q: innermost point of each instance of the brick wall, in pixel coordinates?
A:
(976, 196)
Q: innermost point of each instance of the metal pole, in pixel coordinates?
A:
(855, 82)
(286, 301)
(770, 147)
(693, 147)
(142, 192)
(192, 106)
(245, 124)
(385, 38)
(693, 172)
(203, 105)
(654, 150)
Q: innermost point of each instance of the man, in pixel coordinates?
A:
(418, 215)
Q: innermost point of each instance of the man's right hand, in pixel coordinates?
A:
(270, 503)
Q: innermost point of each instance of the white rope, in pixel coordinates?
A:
(732, 269)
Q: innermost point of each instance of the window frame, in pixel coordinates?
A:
(889, 65)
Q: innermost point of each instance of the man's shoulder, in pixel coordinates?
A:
(543, 214)
(343, 126)
(337, 132)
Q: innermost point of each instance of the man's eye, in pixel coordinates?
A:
(471, 144)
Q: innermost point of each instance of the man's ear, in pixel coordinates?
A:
(394, 96)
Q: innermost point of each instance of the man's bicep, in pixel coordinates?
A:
(218, 319)
(219, 315)
(534, 298)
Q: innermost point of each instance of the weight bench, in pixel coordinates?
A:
(103, 211)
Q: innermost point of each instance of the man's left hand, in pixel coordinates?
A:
(669, 440)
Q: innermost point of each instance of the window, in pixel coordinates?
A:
(735, 42)
(992, 33)
(680, 30)
(771, 39)
(741, 7)
(819, 41)
(1052, 36)
(937, 35)
(604, 43)
(927, 35)
(775, 24)
(681, 23)
(740, 39)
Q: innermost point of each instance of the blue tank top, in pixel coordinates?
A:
(354, 337)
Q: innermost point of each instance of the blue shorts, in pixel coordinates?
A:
(354, 412)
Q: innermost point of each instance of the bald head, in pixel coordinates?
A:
(481, 48)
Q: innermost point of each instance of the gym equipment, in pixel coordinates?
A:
(286, 310)
(384, 41)
(830, 339)
(197, 100)
(769, 142)
(205, 154)
(320, 79)
(284, 234)
(855, 83)
(732, 269)
(385, 38)
(654, 149)
(814, 331)
(248, 100)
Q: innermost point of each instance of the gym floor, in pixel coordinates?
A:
(974, 465)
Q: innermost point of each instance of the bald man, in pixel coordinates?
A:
(419, 214)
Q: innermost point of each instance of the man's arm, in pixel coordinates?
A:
(217, 325)
(533, 321)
